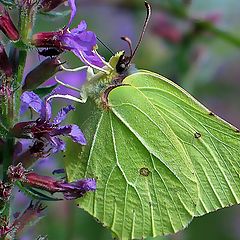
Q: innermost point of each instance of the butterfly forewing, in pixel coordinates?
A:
(211, 144)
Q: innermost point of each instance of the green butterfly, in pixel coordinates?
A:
(160, 157)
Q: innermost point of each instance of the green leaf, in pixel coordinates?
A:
(160, 158)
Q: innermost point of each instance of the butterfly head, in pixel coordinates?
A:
(114, 72)
(124, 64)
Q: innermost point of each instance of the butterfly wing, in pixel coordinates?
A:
(146, 184)
(211, 143)
(159, 158)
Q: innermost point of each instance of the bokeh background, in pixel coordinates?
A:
(194, 43)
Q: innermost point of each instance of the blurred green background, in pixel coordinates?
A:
(194, 43)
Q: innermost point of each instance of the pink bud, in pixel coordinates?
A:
(41, 73)
(5, 228)
(163, 27)
(7, 26)
(5, 191)
(48, 39)
(42, 182)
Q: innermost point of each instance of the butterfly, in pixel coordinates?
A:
(159, 156)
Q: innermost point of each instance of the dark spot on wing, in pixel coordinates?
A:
(144, 171)
(237, 130)
(197, 135)
(97, 220)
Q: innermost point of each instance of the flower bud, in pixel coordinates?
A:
(5, 66)
(5, 228)
(41, 73)
(31, 214)
(5, 191)
(48, 5)
(48, 39)
(7, 26)
(164, 27)
(23, 130)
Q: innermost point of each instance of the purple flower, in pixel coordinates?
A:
(78, 40)
(78, 188)
(82, 42)
(27, 151)
(44, 130)
(70, 190)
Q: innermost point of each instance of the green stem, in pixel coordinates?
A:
(26, 23)
(18, 82)
(7, 156)
(11, 112)
(226, 36)
(204, 25)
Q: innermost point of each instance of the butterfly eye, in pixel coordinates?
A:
(123, 64)
(121, 67)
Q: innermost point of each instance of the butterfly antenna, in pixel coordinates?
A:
(108, 48)
(129, 42)
(149, 12)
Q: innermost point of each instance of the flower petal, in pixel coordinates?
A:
(46, 112)
(59, 145)
(82, 26)
(79, 38)
(77, 135)
(73, 11)
(64, 130)
(76, 189)
(62, 114)
(31, 100)
(84, 41)
(87, 184)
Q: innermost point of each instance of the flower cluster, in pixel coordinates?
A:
(28, 132)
